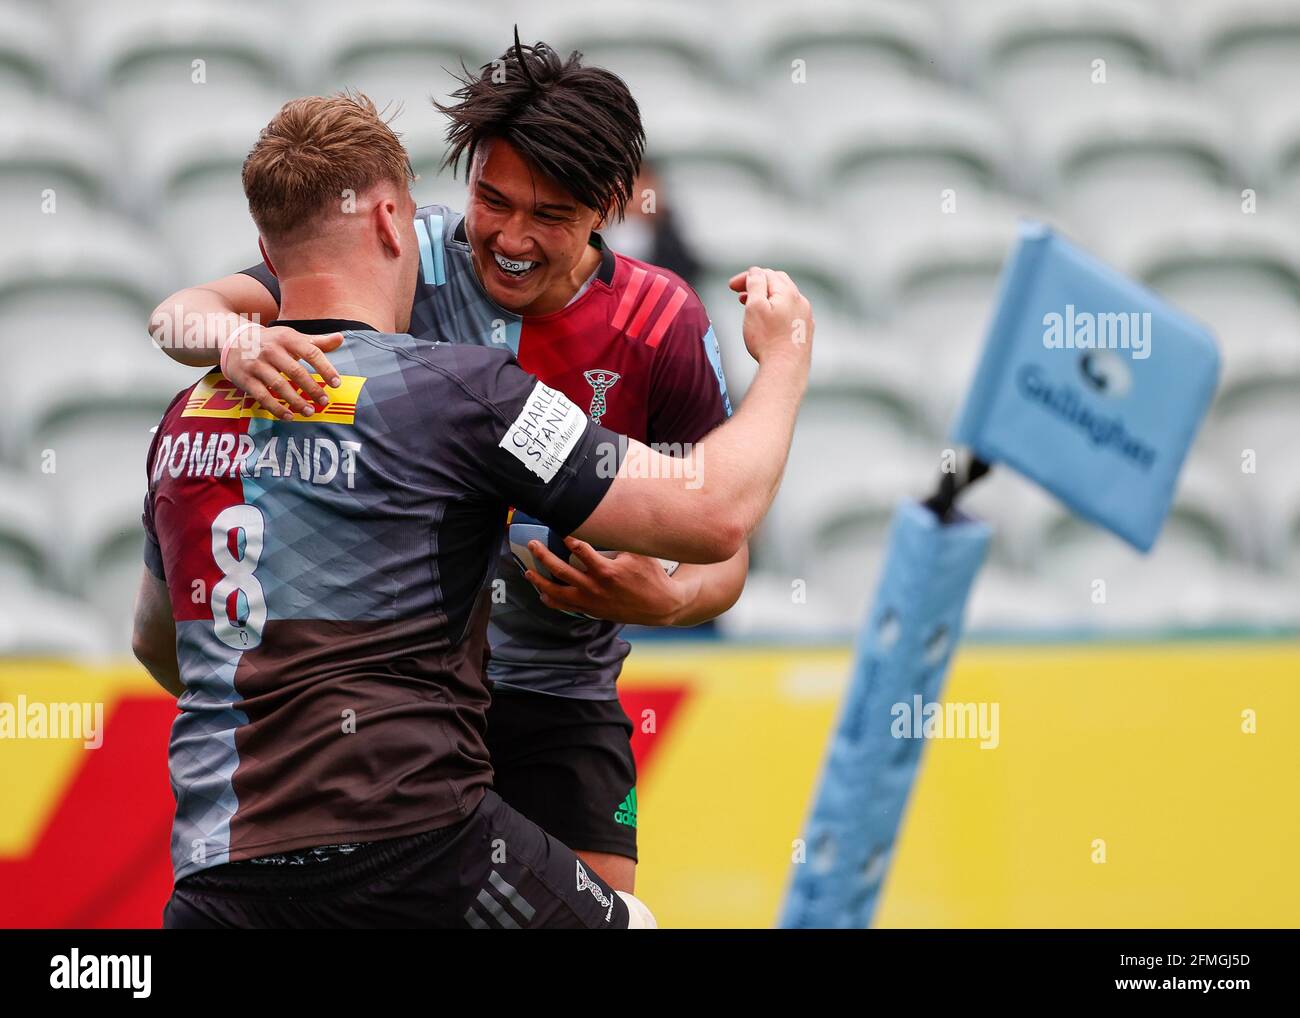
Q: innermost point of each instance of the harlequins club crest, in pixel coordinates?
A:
(601, 382)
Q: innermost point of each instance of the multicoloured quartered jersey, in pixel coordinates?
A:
(635, 350)
(329, 579)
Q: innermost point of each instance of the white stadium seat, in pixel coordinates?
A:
(403, 59)
(716, 160)
(27, 556)
(1129, 156)
(30, 56)
(1255, 423)
(1276, 139)
(846, 48)
(1270, 493)
(875, 460)
(434, 182)
(830, 541)
(894, 160)
(34, 625)
(939, 279)
(105, 557)
(155, 69)
(847, 351)
(1033, 54)
(1239, 274)
(96, 446)
(74, 306)
(808, 246)
(1009, 601)
(1249, 49)
(1288, 536)
(53, 155)
(666, 52)
(192, 191)
(1018, 511)
(888, 184)
(1190, 578)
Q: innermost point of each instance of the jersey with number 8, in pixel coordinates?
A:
(329, 580)
(241, 628)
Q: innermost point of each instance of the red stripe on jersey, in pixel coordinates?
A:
(666, 319)
(657, 289)
(629, 298)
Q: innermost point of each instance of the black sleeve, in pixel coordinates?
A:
(263, 274)
(528, 445)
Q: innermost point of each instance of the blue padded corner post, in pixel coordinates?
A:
(904, 650)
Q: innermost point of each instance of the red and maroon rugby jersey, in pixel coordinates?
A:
(635, 350)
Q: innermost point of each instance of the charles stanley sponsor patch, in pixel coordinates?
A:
(545, 432)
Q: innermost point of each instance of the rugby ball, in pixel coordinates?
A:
(523, 528)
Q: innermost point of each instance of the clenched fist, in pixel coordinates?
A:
(778, 318)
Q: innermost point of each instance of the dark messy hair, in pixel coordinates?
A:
(579, 125)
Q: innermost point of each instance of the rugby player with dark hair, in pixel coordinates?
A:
(316, 588)
(552, 149)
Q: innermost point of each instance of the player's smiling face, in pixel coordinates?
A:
(527, 235)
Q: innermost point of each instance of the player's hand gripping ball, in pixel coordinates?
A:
(524, 528)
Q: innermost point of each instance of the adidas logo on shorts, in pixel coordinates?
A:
(626, 812)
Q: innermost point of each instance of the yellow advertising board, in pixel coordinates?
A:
(1130, 785)
(1138, 785)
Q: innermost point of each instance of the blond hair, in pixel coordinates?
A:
(312, 154)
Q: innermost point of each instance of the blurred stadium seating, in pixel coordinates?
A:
(887, 183)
